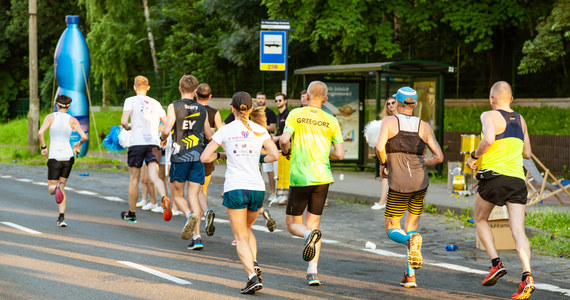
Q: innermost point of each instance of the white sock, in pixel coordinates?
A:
(307, 233)
(312, 269)
(251, 275)
(196, 237)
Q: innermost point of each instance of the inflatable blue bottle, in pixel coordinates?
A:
(72, 71)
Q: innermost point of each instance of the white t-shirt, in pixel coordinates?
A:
(145, 117)
(59, 134)
(242, 149)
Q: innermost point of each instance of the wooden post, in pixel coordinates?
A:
(34, 108)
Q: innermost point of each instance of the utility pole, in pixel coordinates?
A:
(34, 111)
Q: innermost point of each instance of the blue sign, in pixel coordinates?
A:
(272, 54)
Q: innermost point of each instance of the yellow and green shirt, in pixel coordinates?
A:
(505, 155)
(312, 133)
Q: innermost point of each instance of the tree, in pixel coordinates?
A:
(549, 44)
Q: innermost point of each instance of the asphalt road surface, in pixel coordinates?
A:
(100, 256)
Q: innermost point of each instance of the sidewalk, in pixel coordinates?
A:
(363, 187)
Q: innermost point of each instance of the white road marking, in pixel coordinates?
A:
(552, 288)
(154, 272)
(40, 183)
(24, 180)
(328, 241)
(113, 198)
(459, 268)
(218, 220)
(88, 193)
(263, 228)
(5, 176)
(21, 228)
(69, 188)
(384, 252)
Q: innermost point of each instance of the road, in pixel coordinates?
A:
(99, 256)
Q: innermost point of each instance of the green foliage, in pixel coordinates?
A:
(555, 223)
(429, 208)
(538, 119)
(548, 45)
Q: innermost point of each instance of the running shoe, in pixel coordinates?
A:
(128, 216)
(189, 226)
(196, 244)
(526, 288)
(209, 216)
(257, 270)
(313, 279)
(58, 194)
(269, 221)
(167, 209)
(177, 213)
(158, 209)
(251, 286)
(272, 198)
(415, 251)
(149, 206)
(282, 200)
(61, 222)
(496, 273)
(377, 206)
(141, 203)
(310, 245)
(409, 281)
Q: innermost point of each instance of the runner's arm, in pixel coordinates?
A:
(77, 127)
(218, 120)
(272, 152)
(436, 153)
(488, 128)
(338, 153)
(208, 131)
(125, 119)
(48, 120)
(170, 119)
(209, 154)
(284, 143)
(527, 151)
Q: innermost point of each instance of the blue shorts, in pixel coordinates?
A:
(238, 199)
(188, 171)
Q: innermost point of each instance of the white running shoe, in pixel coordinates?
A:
(141, 203)
(272, 198)
(177, 213)
(282, 200)
(158, 209)
(377, 206)
(149, 206)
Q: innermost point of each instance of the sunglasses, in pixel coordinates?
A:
(279, 100)
(391, 102)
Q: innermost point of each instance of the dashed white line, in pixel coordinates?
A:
(88, 193)
(459, 268)
(155, 272)
(26, 229)
(40, 183)
(384, 253)
(5, 176)
(113, 198)
(24, 180)
(263, 228)
(553, 288)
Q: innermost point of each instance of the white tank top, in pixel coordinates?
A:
(59, 134)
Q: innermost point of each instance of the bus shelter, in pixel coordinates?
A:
(357, 92)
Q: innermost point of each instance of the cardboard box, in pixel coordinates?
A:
(499, 223)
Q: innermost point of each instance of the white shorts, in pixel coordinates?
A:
(267, 167)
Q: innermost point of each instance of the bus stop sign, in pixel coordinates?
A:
(272, 54)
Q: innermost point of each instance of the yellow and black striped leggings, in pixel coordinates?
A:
(398, 202)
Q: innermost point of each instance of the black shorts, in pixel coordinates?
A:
(209, 168)
(501, 189)
(59, 168)
(147, 153)
(313, 196)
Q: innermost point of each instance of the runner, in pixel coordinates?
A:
(244, 188)
(60, 153)
(145, 114)
(504, 143)
(312, 131)
(401, 146)
(188, 121)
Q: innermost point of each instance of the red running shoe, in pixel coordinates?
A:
(58, 194)
(526, 288)
(167, 214)
(409, 281)
(496, 273)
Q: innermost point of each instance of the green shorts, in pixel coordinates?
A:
(238, 199)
